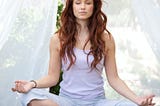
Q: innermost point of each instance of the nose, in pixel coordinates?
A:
(83, 6)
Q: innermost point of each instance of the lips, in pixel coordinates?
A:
(82, 12)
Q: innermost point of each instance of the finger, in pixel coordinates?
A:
(144, 102)
(17, 81)
(147, 101)
(19, 87)
(16, 86)
(151, 104)
(13, 89)
(150, 100)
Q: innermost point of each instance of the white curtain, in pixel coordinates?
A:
(135, 25)
(25, 30)
(149, 18)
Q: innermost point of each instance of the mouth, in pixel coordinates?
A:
(82, 12)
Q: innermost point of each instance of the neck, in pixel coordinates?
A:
(83, 25)
(83, 34)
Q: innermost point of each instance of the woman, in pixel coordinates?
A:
(81, 48)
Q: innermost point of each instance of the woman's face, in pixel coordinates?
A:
(83, 9)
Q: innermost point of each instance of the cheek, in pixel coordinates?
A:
(75, 9)
(90, 9)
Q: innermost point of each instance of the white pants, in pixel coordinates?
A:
(66, 101)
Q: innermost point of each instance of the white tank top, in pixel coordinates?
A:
(80, 82)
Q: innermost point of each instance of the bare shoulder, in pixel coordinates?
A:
(55, 42)
(109, 41)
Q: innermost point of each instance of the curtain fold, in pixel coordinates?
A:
(25, 30)
(149, 17)
(6, 23)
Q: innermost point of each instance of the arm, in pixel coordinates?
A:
(54, 65)
(52, 77)
(115, 82)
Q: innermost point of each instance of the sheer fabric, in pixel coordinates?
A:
(25, 30)
(149, 18)
(135, 26)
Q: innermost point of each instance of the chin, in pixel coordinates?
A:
(83, 18)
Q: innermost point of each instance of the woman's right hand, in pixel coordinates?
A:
(22, 86)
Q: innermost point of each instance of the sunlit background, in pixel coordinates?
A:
(27, 25)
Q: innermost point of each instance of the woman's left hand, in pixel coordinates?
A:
(145, 101)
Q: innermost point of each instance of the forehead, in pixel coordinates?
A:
(83, 0)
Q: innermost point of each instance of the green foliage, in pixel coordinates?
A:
(59, 12)
(55, 89)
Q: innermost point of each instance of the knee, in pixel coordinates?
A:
(42, 103)
(32, 103)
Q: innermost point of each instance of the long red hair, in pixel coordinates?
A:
(68, 32)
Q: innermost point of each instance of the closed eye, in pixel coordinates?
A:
(78, 2)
